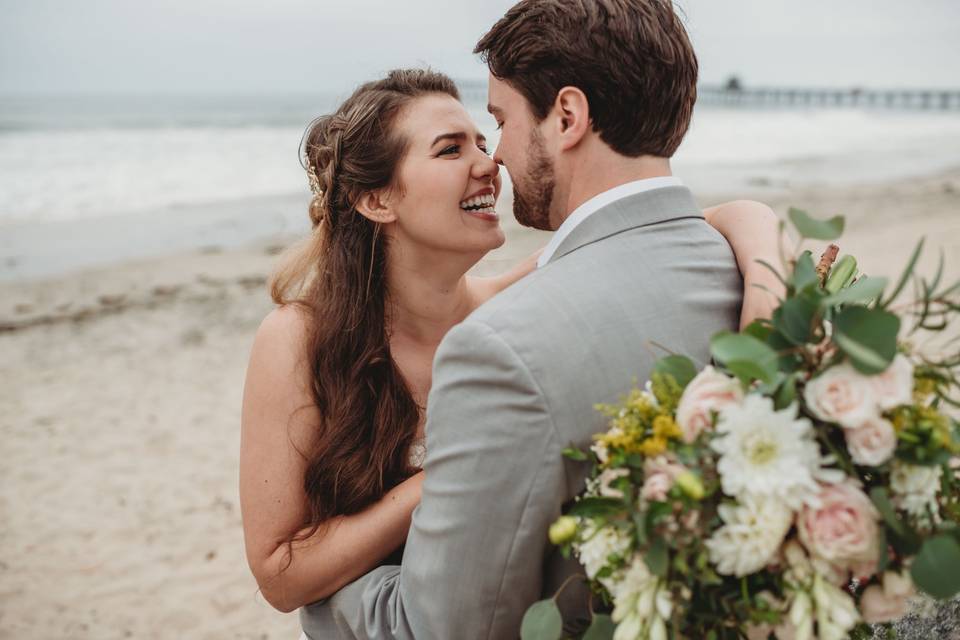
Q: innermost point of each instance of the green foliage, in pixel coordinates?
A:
(814, 229)
(804, 273)
(657, 557)
(574, 454)
(596, 506)
(744, 356)
(903, 538)
(907, 272)
(542, 621)
(841, 274)
(864, 291)
(681, 368)
(794, 319)
(936, 569)
(867, 336)
(601, 628)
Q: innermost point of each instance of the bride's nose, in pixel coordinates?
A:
(485, 168)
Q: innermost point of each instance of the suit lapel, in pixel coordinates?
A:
(639, 210)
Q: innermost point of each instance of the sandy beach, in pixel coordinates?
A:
(119, 421)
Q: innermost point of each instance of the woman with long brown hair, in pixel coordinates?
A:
(333, 407)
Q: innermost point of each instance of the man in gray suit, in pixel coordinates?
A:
(593, 97)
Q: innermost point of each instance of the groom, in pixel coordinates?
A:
(593, 97)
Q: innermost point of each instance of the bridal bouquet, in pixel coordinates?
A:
(804, 486)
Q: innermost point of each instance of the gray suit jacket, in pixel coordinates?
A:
(515, 384)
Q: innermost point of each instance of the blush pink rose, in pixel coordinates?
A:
(659, 475)
(872, 443)
(889, 602)
(711, 391)
(842, 531)
(894, 387)
(843, 395)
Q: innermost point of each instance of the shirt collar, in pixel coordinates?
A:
(598, 202)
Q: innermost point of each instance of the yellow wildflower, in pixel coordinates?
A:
(653, 446)
(666, 427)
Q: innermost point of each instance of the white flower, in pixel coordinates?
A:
(641, 604)
(894, 387)
(915, 488)
(767, 453)
(751, 535)
(872, 443)
(711, 391)
(607, 477)
(600, 449)
(843, 395)
(835, 610)
(598, 545)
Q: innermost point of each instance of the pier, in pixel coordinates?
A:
(732, 94)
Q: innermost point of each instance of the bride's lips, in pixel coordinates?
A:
(485, 198)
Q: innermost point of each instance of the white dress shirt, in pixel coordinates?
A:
(598, 202)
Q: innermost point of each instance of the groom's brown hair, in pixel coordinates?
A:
(631, 58)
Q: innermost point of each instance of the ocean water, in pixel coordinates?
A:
(125, 176)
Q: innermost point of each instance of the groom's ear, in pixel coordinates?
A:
(375, 205)
(573, 121)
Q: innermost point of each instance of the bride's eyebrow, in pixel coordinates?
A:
(458, 136)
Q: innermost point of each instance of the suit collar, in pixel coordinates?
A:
(638, 210)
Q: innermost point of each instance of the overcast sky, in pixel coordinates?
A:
(283, 46)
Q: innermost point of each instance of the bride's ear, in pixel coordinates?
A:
(573, 116)
(375, 206)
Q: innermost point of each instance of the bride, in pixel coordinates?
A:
(333, 406)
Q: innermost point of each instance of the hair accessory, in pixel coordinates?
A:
(314, 180)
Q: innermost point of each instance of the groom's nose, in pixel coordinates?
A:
(496, 156)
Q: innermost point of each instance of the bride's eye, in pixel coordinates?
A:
(483, 148)
(454, 148)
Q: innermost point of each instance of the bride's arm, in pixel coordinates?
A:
(753, 231)
(277, 422)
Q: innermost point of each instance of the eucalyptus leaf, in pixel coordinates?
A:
(680, 367)
(542, 621)
(794, 319)
(936, 569)
(745, 356)
(814, 229)
(759, 329)
(786, 394)
(657, 557)
(865, 290)
(804, 273)
(601, 628)
(868, 337)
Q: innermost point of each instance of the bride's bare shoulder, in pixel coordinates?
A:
(280, 343)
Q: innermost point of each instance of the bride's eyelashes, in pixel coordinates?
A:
(455, 149)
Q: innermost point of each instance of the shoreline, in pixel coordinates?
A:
(932, 203)
(119, 420)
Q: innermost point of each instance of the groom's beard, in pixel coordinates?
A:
(533, 195)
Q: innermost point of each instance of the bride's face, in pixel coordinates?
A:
(448, 184)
